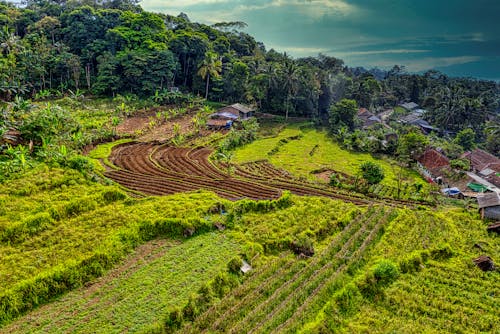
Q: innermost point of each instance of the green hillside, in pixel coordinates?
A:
(159, 175)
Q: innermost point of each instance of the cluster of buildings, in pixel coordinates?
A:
(481, 182)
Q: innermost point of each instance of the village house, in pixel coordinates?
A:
(409, 106)
(221, 120)
(226, 116)
(489, 205)
(432, 164)
(486, 165)
(367, 118)
(415, 118)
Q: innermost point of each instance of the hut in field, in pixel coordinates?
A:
(489, 205)
(237, 109)
(221, 120)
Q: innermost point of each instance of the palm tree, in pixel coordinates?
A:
(493, 129)
(210, 66)
(290, 80)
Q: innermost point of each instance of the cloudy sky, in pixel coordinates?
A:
(458, 37)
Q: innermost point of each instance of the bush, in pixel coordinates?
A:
(385, 272)
(234, 266)
(442, 252)
(113, 195)
(381, 275)
(303, 245)
(372, 172)
(80, 163)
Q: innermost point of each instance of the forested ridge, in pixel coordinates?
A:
(54, 48)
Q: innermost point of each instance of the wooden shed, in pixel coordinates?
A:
(237, 109)
(489, 205)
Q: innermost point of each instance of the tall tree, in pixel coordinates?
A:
(290, 77)
(210, 66)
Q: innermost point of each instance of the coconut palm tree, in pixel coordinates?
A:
(290, 73)
(210, 66)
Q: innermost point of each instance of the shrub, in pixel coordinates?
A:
(372, 172)
(381, 275)
(442, 252)
(80, 205)
(303, 245)
(80, 163)
(234, 265)
(113, 195)
(385, 272)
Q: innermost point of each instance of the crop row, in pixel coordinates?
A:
(276, 298)
(161, 170)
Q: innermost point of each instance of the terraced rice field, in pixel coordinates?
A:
(153, 169)
(283, 295)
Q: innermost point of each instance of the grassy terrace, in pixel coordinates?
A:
(295, 155)
(159, 275)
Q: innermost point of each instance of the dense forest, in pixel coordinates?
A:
(56, 48)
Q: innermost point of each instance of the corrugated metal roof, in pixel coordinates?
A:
(488, 200)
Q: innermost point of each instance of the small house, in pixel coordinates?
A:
(485, 164)
(217, 124)
(367, 118)
(237, 109)
(432, 163)
(489, 205)
(415, 118)
(409, 106)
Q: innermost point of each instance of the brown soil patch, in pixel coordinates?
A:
(155, 169)
(324, 176)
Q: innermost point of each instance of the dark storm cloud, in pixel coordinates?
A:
(457, 36)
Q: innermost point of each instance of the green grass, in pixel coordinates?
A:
(313, 217)
(441, 294)
(54, 221)
(295, 157)
(138, 295)
(103, 151)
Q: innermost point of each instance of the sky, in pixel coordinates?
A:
(457, 37)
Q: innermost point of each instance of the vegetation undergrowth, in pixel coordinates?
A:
(59, 230)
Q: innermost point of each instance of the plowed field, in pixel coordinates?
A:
(154, 169)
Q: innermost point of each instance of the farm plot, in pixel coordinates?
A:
(159, 275)
(161, 170)
(280, 296)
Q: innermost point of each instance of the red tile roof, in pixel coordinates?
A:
(481, 160)
(432, 159)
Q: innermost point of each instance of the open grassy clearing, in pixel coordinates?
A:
(160, 275)
(295, 155)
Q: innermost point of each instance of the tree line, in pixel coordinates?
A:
(52, 47)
